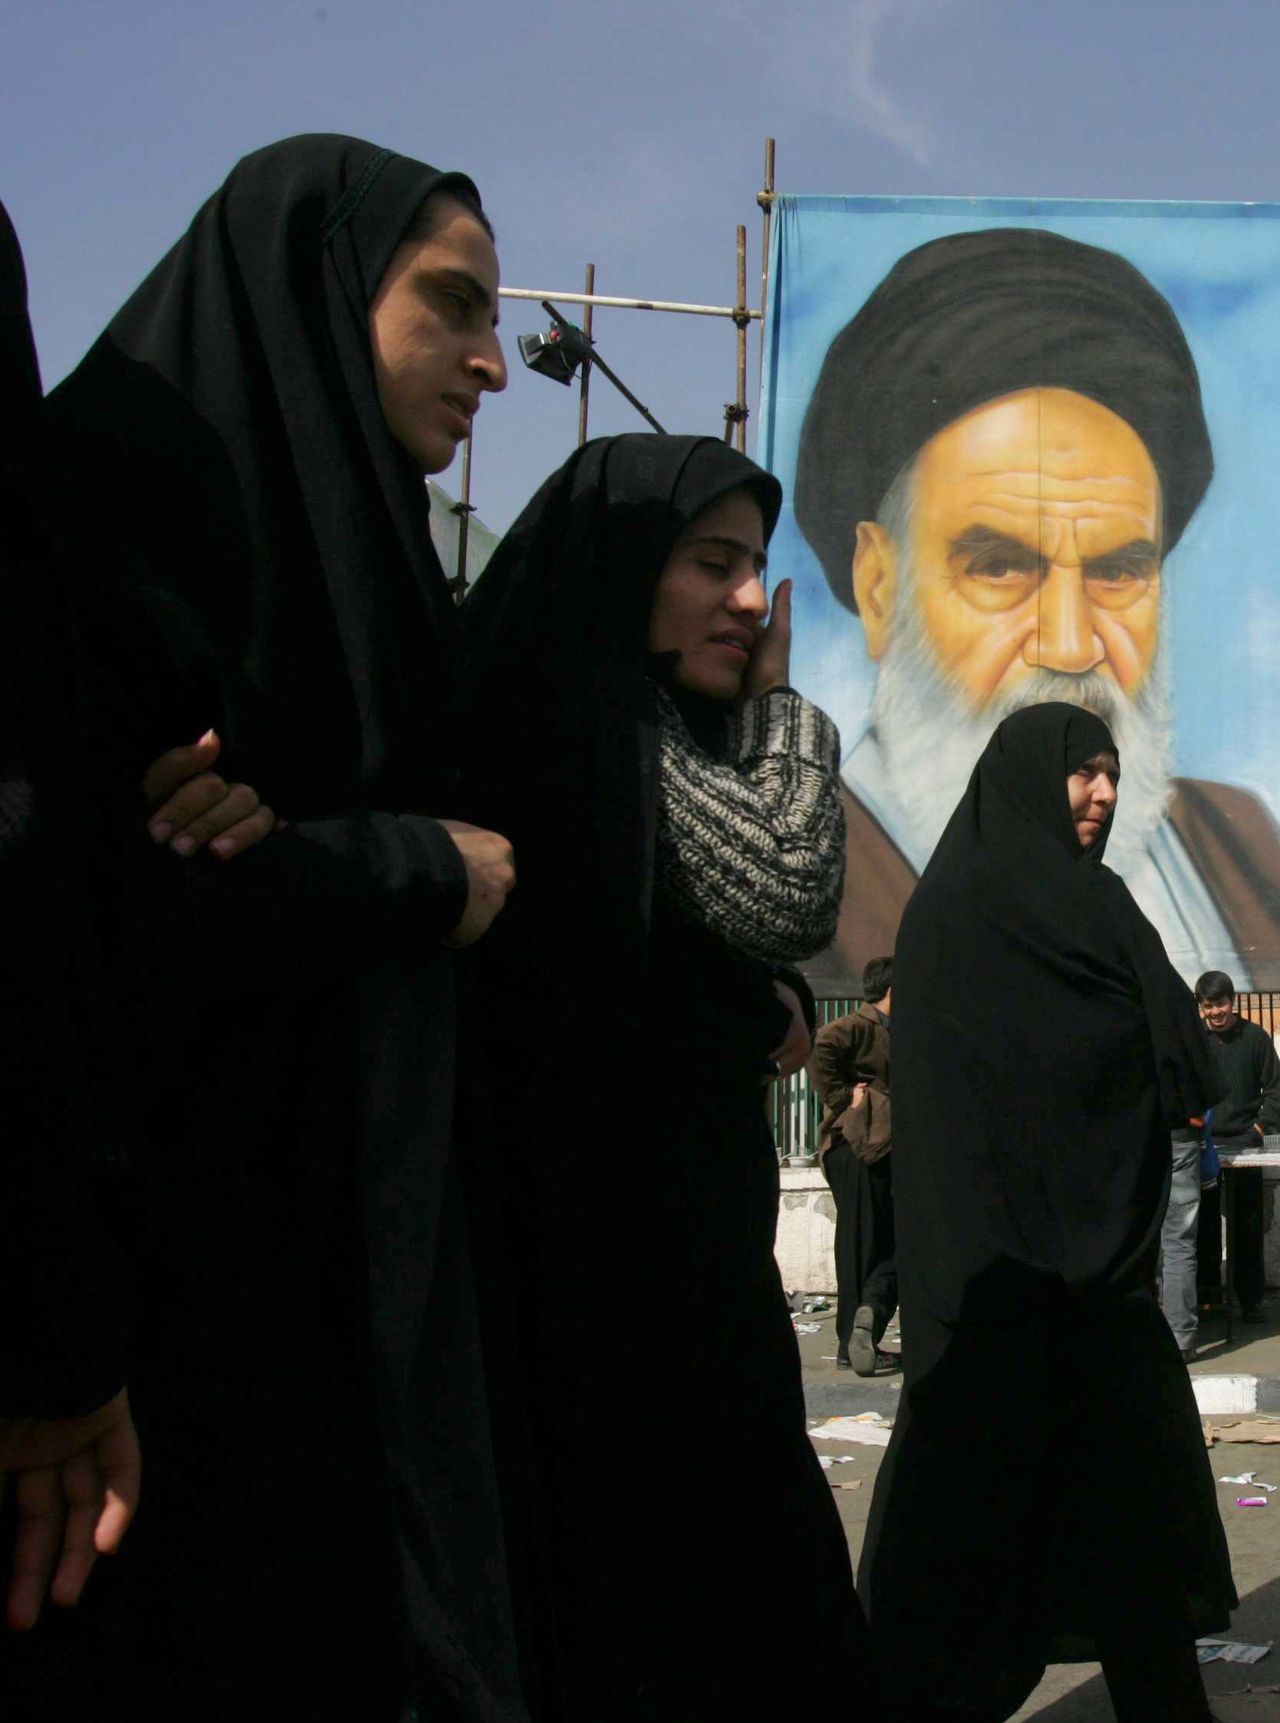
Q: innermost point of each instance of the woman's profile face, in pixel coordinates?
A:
(710, 598)
(433, 330)
(1092, 790)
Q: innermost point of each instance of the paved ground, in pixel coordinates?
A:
(1075, 1693)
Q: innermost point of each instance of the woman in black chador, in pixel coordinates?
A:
(244, 447)
(1046, 1495)
(674, 811)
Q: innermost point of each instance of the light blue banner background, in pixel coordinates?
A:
(1219, 267)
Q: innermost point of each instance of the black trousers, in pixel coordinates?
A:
(1248, 1272)
(866, 1266)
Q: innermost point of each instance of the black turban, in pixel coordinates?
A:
(974, 316)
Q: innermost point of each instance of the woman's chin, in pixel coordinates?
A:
(726, 688)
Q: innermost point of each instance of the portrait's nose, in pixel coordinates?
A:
(747, 597)
(1063, 638)
(1104, 791)
(488, 366)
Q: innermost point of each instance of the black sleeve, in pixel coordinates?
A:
(64, 1339)
(793, 979)
(322, 898)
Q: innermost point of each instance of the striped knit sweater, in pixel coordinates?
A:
(753, 847)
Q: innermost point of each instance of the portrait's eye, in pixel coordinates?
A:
(998, 579)
(1115, 586)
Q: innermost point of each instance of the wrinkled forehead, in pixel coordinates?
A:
(1038, 460)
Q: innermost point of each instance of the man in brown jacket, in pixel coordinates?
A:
(850, 1070)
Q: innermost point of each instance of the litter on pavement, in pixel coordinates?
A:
(1228, 1651)
(1252, 1502)
(854, 1484)
(806, 1327)
(1249, 1478)
(826, 1461)
(1245, 1430)
(866, 1427)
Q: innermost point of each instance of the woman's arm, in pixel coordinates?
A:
(753, 847)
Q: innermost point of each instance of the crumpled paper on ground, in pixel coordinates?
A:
(1228, 1651)
(1253, 1429)
(867, 1427)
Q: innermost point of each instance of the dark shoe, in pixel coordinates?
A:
(1188, 1353)
(1254, 1313)
(842, 1358)
(862, 1345)
(888, 1360)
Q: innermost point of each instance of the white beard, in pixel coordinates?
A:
(930, 737)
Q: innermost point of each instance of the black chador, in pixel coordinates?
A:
(682, 1499)
(1046, 1493)
(63, 1312)
(320, 1532)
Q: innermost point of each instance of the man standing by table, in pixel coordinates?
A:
(1250, 1111)
(850, 1070)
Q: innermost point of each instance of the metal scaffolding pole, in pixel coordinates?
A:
(742, 321)
(766, 198)
(463, 509)
(541, 293)
(584, 385)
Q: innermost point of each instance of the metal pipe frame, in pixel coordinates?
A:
(625, 304)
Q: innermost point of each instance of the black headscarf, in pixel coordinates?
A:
(235, 468)
(1042, 1040)
(973, 316)
(562, 725)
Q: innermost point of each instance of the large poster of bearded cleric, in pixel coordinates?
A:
(1031, 451)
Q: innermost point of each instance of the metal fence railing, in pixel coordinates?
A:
(1261, 1008)
(795, 1108)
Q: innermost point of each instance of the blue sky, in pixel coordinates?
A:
(631, 136)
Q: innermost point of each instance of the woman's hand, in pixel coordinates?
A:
(770, 662)
(75, 1484)
(192, 806)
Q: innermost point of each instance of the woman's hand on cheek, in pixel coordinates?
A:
(770, 662)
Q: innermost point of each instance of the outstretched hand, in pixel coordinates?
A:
(192, 806)
(770, 662)
(75, 1484)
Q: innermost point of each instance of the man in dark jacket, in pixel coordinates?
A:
(1250, 1111)
(850, 1070)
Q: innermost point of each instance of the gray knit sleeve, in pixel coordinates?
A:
(753, 847)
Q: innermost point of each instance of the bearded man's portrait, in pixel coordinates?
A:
(1013, 478)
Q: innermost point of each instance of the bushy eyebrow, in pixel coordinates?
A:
(759, 561)
(1137, 550)
(983, 540)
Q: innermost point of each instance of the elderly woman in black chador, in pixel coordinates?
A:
(674, 812)
(1046, 1494)
(321, 1529)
